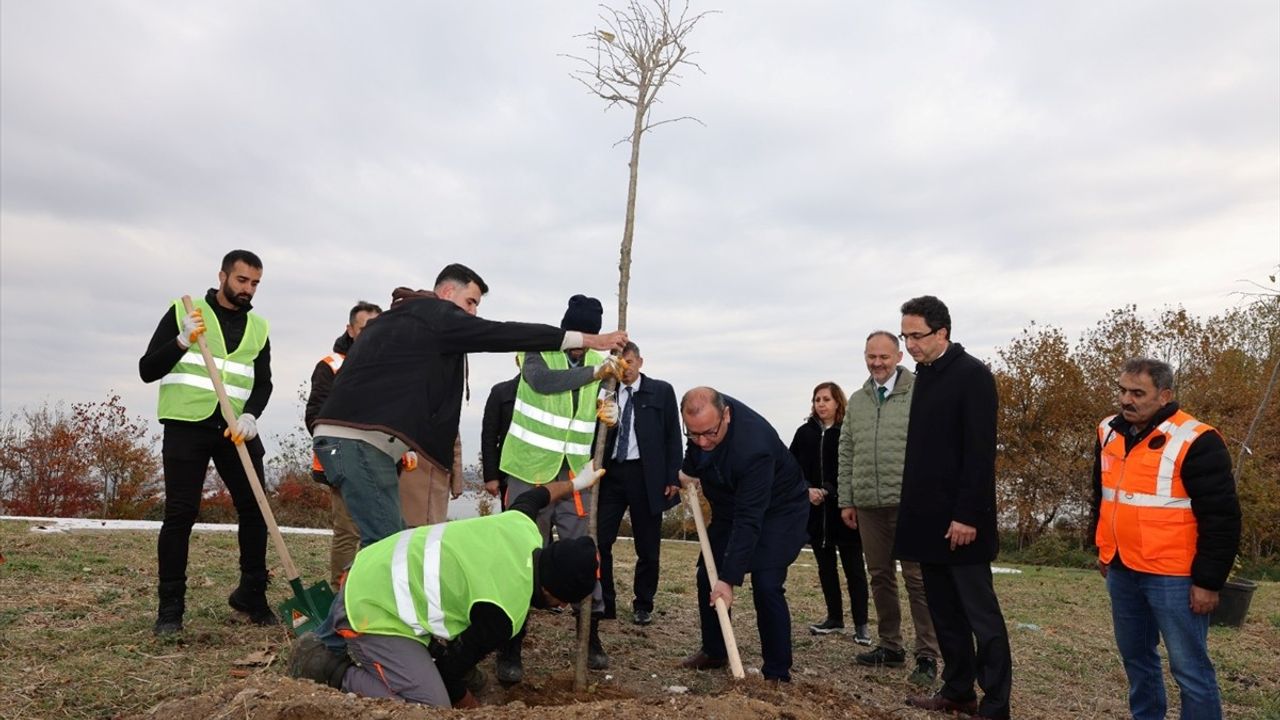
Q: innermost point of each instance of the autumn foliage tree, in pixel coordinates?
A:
(1053, 395)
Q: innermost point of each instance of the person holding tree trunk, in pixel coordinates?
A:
(195, 432)
(553, 425)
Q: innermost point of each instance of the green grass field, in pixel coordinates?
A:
(76, 611)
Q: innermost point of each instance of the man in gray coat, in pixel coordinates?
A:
(873, 442)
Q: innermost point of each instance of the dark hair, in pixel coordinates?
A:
(461, 275)
(229, 260)
(933, 310)
(889, 335)
(842, 402)
(360, 307)
(695, 404)
(1159, 371)
(631, 347)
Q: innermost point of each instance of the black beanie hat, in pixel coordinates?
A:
(567, 568)
(583, 314)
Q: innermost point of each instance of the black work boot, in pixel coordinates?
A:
(250, 598)
(597, 659)
(309, 659)
(510, 669)
(173, 595)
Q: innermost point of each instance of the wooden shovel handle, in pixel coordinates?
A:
(229, 414)
(726, 625)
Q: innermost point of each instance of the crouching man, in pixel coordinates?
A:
(422, 607)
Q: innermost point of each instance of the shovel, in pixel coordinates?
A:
(308, 607)
(726, 625)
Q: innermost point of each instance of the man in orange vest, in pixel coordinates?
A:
(346, 537)
(1168, 528)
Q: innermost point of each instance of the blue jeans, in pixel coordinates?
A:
(1144, 609)
(370, 486)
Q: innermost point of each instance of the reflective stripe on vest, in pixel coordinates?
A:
(1145, 514)
(424, 581)
(186, 391)
(548, 430)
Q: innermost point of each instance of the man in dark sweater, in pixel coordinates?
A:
(947, 513)
(346, 538)
(401, 389)
(493, 430)
(195, 432)
(1168, 529)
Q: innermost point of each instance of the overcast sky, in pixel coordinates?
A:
(1043, 161)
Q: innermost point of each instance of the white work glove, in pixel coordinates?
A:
(192, 328)
(587, 476)
(246, 428)
(410, 461)
(607, 412)
(613, 366)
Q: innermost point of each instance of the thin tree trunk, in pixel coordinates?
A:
(1257, 417)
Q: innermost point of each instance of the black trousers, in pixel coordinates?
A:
(773, 618)
(855, 575)
(622, 488)
(186, 452)
(965, 610)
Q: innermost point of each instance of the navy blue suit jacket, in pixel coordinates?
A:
(758, 495)
(656, 418)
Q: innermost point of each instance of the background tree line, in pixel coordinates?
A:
(94, 459)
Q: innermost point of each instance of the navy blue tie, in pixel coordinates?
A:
(624, 428)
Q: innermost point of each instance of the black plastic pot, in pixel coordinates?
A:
(1233, 603)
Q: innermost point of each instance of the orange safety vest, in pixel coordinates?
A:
(1146, 513)
(334, 361)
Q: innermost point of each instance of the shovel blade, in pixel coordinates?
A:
(307, 608)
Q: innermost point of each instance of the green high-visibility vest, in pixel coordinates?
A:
(423, 581)
(186, 392)
(547, 430)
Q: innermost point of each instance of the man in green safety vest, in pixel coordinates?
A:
(422, 607)
(553, 425)
(195, 432)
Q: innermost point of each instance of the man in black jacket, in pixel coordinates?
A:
(401, 389)
(195, 432)
(947, 515)
(642, 456)
(493, 430)
(759, 514)
(346, 538)
(1168, 530)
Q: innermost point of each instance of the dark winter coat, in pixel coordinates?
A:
(817, 453)
(405, 377)
(950, 468)
(1206, 475)
(494, 425)
(759, 500)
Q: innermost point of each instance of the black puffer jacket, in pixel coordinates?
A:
(406, 375)
(817, 453)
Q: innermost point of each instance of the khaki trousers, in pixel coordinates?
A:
(346, 538)
(426, 490)
(877, 526)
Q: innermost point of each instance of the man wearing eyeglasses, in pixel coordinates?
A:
(759, 513)
(947, 514)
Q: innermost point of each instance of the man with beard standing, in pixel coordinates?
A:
(195, 432)
(947, 513)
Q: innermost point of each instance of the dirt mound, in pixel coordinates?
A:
(268, 697)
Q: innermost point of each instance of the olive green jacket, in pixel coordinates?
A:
(873, 445)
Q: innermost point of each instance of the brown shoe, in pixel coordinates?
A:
(702, 661)
(938, 703)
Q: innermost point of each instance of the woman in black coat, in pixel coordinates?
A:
(815, 447)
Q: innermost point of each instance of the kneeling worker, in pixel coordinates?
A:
(422, 607)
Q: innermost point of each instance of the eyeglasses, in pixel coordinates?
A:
(916, 336)
(708, 433)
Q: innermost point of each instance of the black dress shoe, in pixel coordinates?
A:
(940, 703)
(642, 617)
(702, 661)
